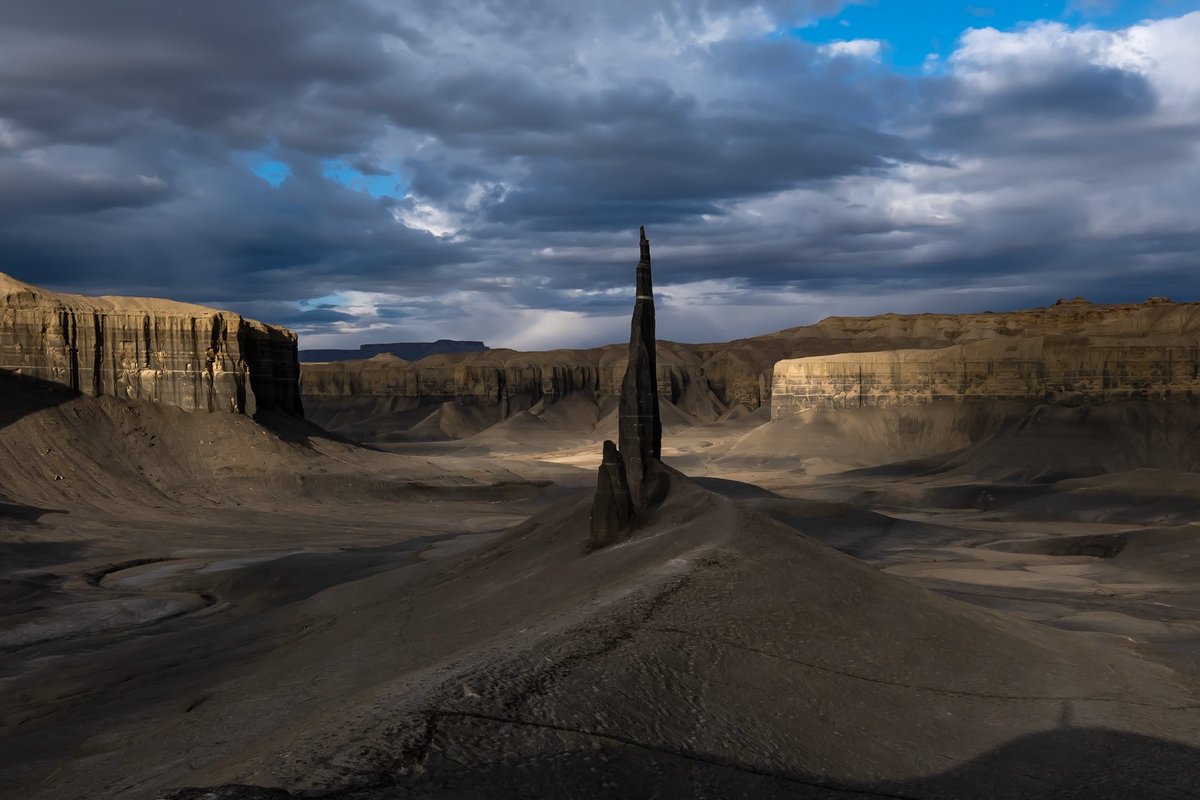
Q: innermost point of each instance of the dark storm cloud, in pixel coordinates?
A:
(532, 137)
(680, 168)
(236, 239)
(1085, 91)
(1015, 117)
(216, 66)
(306, 319)
(33, 190)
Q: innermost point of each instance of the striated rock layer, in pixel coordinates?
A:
(177, 354)
(703, 380)
(1070, 369)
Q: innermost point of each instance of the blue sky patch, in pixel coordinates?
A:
(912, 31)
(387, 185)
(271, 170)
(334, 300)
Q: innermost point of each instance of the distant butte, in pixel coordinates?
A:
(462, 394)
(409, 351)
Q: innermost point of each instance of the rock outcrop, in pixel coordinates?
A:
(612, 507)
(1064, 369)
(177, 354)
(631, 478)
(640, 426)
(705, 381)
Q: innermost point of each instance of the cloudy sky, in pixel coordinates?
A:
(383, 170)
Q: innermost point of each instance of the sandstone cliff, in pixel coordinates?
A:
(1070, 369)
(353, 397)
(177, 354)
(1155, 317)
(703, 380)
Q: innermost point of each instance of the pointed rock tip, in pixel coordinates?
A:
(642, 232)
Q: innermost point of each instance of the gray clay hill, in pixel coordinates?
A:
(920, 557)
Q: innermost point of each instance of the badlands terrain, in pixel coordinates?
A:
(900, 557)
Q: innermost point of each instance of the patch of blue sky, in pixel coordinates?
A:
(1112, 14)
(271, 170)
(912, 31)
(387, 185)
(334, 300)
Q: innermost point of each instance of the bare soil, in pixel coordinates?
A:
(952, 602)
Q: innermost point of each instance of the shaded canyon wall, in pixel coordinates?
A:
(704, 380)
(177, 354)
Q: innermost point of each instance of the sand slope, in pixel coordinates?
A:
(717, 653)
(279, 609)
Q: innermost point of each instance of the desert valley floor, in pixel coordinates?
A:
(866, 604)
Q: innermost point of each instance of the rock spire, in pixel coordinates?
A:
(631, 478)
(612, 507)
(640, 432)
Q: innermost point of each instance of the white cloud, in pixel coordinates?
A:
(870, 49)
(424, 216)
(746, 24)
(1163, 51)
(475, 196)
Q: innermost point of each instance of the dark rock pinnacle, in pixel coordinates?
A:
(612, 507)
(640, 431)
(640, 427)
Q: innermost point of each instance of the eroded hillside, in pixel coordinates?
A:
(460, 395)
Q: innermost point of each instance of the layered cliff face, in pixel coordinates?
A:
(378, 396)
(1155, 317)
(703, 380)
(1069, 369)
(188, 356)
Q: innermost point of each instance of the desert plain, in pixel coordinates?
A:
(922, 556)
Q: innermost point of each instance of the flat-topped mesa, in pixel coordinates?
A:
(631, 478)
(1031, 369)
(177, 354)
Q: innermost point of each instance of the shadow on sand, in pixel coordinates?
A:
(298, 430)
(26, 514)
(32, 555)
(21, 395)
(1067, 763)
